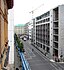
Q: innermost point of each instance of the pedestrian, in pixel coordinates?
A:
(45, 53)
(32, 49)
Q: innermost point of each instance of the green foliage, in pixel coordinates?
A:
(20, 44)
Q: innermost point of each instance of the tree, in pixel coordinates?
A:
(20, 44)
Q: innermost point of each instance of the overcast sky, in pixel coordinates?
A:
(23, 7)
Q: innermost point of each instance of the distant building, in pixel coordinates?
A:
(19, 29)
(4, 49)
(28, 29)
(48, 32)
(33, 41)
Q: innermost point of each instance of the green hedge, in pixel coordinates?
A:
(20, 44)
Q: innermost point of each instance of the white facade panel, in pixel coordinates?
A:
(11, 36)
(61, 30)
(51, 32)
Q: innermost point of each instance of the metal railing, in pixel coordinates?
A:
(25, 64)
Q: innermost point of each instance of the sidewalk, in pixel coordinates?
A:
(48, 55)
(17, 62)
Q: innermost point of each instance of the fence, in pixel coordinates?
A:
(25, 64)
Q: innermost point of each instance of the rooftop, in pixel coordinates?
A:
(18, 25)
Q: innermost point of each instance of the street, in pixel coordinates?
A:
(37, 60)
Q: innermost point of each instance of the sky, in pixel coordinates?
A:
(22, 9)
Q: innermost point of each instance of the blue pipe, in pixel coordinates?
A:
(25, 64)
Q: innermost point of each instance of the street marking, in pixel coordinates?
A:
(29, 58)
(35, 61)
(53, 66)
(36, 64)
(61, 66)
(38, 52)
(29, 52)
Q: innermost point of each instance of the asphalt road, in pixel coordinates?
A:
(37, 60)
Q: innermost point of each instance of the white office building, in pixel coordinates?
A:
(48, 32)
(28, 29)
(19, 29)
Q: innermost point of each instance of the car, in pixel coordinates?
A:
(24, 39)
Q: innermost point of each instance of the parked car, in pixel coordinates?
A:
(24, 39)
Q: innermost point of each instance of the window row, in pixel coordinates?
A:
(43, 15)
(43, 21)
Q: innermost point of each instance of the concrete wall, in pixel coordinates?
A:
(54, 14)
(51, 32)
(11, 35)
(61, 30)
(3, 31)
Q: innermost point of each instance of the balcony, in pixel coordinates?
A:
(55, 38)
(55, 34)
(55, 25)
(55, 45)
(55, 31)
(55, 14)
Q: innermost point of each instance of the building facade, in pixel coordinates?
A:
(28, 29)
(33, 41)
(49, 32)
(11, 38)
(19, 29)
(4, 6)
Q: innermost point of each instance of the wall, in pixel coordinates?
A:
(3, 31)
(51, 32)
(61, 30)
(11, 35)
